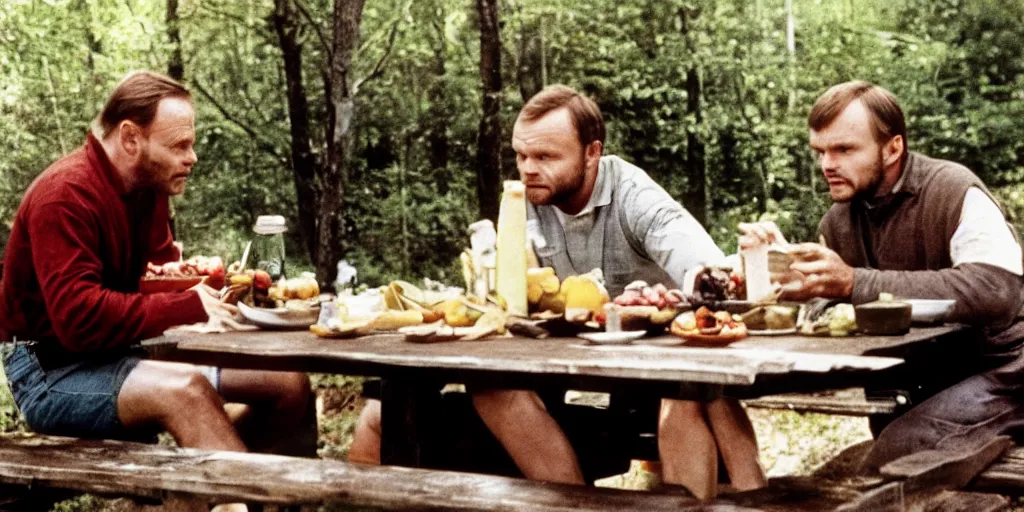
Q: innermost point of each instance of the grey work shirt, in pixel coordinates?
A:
(630, 228)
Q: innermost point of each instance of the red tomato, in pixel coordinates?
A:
(261, 279)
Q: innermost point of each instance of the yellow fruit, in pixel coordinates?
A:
(240, 279)
(457, 313)
(540, 281)
(554, 302)
(585, 291)
(390, 320)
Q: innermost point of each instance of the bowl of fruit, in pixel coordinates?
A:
(642, 307)
(178, 276)
(709, 327)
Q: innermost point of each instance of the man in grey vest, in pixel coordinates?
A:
(592, 211)
(916, 227)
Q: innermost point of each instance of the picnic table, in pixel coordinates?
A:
(755, 366)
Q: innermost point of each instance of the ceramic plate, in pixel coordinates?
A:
(772, 332)
(712, 339)
(612, 338)
(279, 318)
(929, 310)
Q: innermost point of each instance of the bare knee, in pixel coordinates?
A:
(160, 391)
(677, 413)
(369, 419)
(294, 388)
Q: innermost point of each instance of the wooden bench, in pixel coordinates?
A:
(186, 478)
(844, 402)
(179, 475)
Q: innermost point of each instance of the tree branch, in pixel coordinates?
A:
(262, 143)
(328, 50)
(379, 67)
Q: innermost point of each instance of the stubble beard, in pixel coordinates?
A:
(563, 192)
(870, 191)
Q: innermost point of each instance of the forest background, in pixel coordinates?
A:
(381, 129)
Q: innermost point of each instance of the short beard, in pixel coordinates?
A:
(562, 195)
(870, 192)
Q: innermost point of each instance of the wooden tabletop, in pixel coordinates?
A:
(567, 360)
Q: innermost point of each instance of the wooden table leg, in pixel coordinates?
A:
(400, 443)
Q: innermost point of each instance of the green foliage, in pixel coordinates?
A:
(957, 66)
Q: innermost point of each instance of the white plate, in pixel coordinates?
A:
(929, 310)
(279, 318)
(612, 338)
(772, 332)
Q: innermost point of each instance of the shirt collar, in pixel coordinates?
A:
(602, 193)
(99, 160)
(909, 183)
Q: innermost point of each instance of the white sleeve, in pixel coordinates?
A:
(983, 236)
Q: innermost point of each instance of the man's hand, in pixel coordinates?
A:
(215, 309)
(753, 234)
(825, 274)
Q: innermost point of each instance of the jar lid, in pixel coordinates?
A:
(270, 225)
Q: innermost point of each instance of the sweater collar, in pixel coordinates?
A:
(99, 160)
(909, 184)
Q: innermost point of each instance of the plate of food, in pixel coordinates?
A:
(707, 327)
(177, 276)
(297, 314)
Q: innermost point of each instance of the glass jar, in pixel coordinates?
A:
(268, 246)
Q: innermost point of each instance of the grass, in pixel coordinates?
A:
(791, 443)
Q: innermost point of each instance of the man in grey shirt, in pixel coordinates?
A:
(592, 211)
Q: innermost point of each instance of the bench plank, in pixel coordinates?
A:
(843, 402)
(151, 471)
(944, 469)
(1005, 475)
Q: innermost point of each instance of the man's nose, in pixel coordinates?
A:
(527, 168)
(828, 161)
(192, 157)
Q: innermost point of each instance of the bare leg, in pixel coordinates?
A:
(689, 456)
(737, 442)
(277, 401)
(180, 399)
(529, 434)
(365, 447)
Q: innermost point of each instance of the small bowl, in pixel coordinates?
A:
(930, 311)
(884, 318)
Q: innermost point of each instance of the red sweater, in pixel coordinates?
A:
(76, 252)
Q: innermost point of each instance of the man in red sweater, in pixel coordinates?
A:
(81, 239)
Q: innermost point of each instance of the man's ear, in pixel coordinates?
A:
(892, 151)
(593, 154)
(130, 136)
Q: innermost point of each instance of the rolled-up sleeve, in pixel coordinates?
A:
(670, 235)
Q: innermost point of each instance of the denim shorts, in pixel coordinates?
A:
(78, 399)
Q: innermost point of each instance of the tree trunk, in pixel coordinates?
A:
(304, 163)
(175, 70)
(438, 113)
(791, 54)
(530, 74)
(331, 229)
(697, 197)
(489, 138)
(176, 64)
